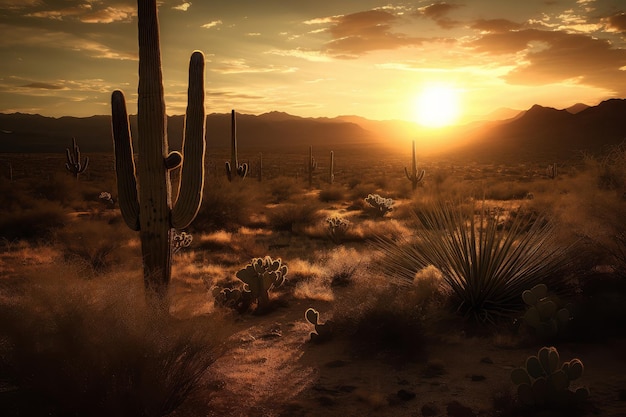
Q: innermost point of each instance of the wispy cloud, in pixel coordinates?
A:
(212, 24)
(183, 7)
(439, 12)
(313, 56)
(358, 33)
(240, 66)
(90, 12)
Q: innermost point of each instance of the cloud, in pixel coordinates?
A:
(90, 12)
(42, 86)
(617, 22)
(212, 24)
(362, 32)
(18, 4)
(46, 39)
(183, 7)
(546, 57)
(240, 66)
(312, 56)
(495, 25)
(438, 12)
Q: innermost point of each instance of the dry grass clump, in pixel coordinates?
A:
(282, 189)
(293, 217)
(32, 221)
(92, 348)
(332, 193)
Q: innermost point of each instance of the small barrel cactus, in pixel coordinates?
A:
(544, 382)
(260, 276)
(381, 205)
(323, 331)
(543, 314)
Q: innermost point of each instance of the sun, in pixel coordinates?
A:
(437, 105)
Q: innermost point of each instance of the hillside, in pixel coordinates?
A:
(540, 132)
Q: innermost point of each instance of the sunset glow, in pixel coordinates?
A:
(437, 106)
(318, 59)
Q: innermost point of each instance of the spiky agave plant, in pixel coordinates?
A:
(486, 266)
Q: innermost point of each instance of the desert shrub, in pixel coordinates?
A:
(93, 245)
(487, 267)
(227, 206)
(332, 193)
(283, 189)
(35, 221)
(507, 190)
(293, 216)
(80, 348)
(610, 169)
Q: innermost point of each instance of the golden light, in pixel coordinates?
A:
(437, 105)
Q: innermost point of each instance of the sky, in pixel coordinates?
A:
(322, 58)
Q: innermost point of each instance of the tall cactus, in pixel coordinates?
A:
(73, 164)
(149, 209)
(331, 169)
(311, 166)
(260, 166)
(233, 166)
(414, 176)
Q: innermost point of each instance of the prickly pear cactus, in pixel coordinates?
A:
(323, 331)
(260, 276)
(543, 382)
(543, 315)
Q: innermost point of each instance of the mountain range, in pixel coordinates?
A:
(539, 132)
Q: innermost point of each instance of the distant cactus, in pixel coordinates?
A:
(233, 167)
(544, 382)
(552, 171)
(380, 204)
(415, 177)
(149, 209)
(331, 169)
(260, 276)
(260, 167)
(323, 331)
(73, 164)
(543, 315)
(311, 166)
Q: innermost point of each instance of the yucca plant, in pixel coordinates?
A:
(487, 266)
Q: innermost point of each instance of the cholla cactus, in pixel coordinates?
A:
(260, 276)
(323, 331)
(180, 240)
(337, 227)
(107, 198)
(234, 168)
(543, 314)
(545, 382)
(381, 205)
(73, 164)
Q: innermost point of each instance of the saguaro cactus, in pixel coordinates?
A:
(414, 176)
(311, 166)
(331, 169)
(552, 171)
(233, 166)
(260, 166)
(149, 210)
(73, 163)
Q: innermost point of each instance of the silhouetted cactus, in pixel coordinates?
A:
(331, 169)
(544, 382)
(73, 164)
(260, 276)
(337, 227)
(552, 171)
(233, 167)
(260, 166)
(415, 177)
(311, 166)
(149, 209)
(323, 331)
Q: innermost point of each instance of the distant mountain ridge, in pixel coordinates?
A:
(539, 132)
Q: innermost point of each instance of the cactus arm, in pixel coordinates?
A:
(194, 146)
(73, 164)
(124, 163)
